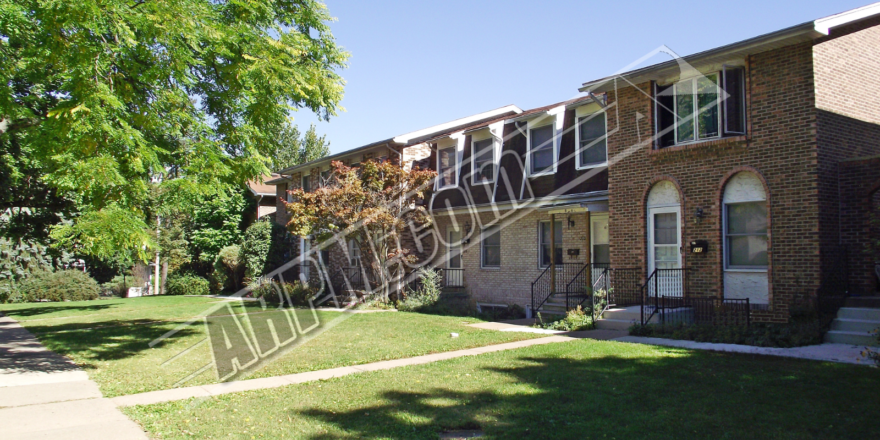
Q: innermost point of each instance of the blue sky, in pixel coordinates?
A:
(419, 63)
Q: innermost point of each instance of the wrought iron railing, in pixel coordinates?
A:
(348, 279)
(543, 287)
(704, 311)
(671, 283)
(578, 290)
(453, 277)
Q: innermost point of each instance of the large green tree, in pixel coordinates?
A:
(108, 99)
(293, 148)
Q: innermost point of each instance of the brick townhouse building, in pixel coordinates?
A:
(746, 172)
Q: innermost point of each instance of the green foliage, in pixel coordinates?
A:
(229, 267)
(273, 292)
(575, 320)
(263, 248)
(215, 224)
(793, 334)
(187, 284)
(118, 286)
(63, 285)
(291, 149)
(99, 98)
(425, 295)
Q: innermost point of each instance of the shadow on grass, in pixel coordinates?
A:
(107, 340)
(60, 307)
(681, 395)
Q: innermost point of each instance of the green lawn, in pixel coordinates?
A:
(110, 338)
(572, 390)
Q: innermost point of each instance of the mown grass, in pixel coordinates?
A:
(572, 390)
(111, 339)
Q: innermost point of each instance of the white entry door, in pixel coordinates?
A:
(305, 246)
(664, 250)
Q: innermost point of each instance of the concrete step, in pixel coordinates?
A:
(625, 314)
(552, 311)
(859, 313)
(854, 325)
(867, 302)
(852, 338)
(614, 324)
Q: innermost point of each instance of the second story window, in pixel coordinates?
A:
(306, 187)
(542, 154)
(446, 169)
(592, 145)
(696, 109)
(483, 161)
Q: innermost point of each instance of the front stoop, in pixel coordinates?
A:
(855, 326)
(620, 318)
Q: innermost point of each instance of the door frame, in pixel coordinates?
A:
(450, 247)
(650, 225)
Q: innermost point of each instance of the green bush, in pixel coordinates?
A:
(63, 285)
(793, 334)
(187, 284)
(263, 248)
(425, 295)
(118, 286)
(298, 292)
(229, 268)
(574, 320)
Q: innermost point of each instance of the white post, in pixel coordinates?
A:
(157, 280)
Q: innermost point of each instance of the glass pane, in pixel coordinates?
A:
(492, 238)
(602, 254)
(491, 255)
(544, 238)
(447, 167)
(684, 108)
(542, 148)
(483, 160)
(665, 228)
(593, 154)
(733, 104)
(665, 253)
(747, 218)
(592, 127)
(707, 101)
(750, 250)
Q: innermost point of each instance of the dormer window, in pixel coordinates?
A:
(591, 140)
(702, 108)
(446, 167)
(483, 161)
(542, 151)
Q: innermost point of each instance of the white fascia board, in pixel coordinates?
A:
(459, 138)
(824, 25)
(406, 137)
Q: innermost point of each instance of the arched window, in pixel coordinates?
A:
(745, 238)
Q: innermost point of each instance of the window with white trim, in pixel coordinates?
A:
(709, 106)
(544, 242)
(490, 247)
(745, 235)
(354, 253)
(446, 167)
(483, 161)
(591, 140)
(542, 151)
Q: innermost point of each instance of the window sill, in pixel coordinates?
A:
(441, 188)
(490, 268)
(699, 144)
(483, 182)
(590, 167)
(545, 173)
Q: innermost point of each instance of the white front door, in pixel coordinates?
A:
(664, 250)
(304, 247)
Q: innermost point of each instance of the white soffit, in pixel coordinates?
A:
(405, 138)
(824, 25)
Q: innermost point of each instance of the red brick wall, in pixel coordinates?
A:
(847, 72)
(860, 185)
(780, 148)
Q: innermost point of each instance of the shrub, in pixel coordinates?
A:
(63, 285)
(229, 264)
(187, 284)
(574, 320)
(793, 334)
(425, 295)
(298, 292)
(118, 286)
(262, 248)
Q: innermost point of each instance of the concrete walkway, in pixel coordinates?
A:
(46, 396)
(280, 381)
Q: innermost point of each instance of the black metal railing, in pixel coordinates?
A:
(677, 310)
(671, 283)
(543, 287)
(578, 290)
(348, 279)
(453, 277)
(623, 286)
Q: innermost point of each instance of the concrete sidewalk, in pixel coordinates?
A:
(46, 396)
(280, 381)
